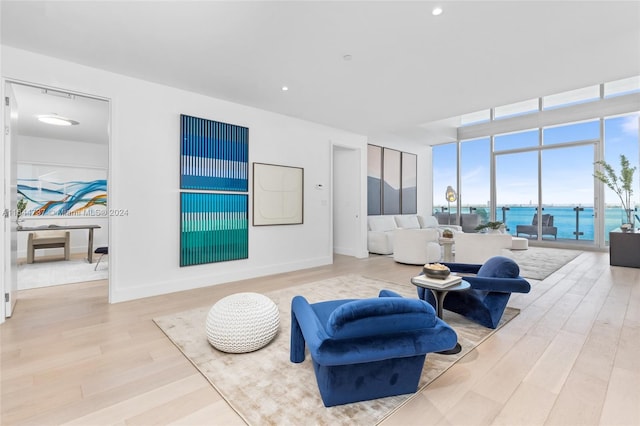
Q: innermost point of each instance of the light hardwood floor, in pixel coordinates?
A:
(572, 356)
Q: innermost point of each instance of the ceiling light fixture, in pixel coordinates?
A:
(58, 94)
(285, 88)
(347, 57)
(57, 120)
(436, 11)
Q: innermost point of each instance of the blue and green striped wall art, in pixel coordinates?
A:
(213, 227)
(213, 155)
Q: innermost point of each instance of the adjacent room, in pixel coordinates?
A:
(61, 178)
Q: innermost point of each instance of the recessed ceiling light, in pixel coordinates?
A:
(56, 120)
(285, 88)
(436, 11)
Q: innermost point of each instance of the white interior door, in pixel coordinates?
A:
(10, 193)
(346, 200)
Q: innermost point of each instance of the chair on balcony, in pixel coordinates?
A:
(532, 230)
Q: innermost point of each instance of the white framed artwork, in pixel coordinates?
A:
(278, 194)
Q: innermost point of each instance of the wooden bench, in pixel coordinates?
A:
(47, 239)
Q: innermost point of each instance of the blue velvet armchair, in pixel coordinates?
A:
(365, 349)
(491, 288)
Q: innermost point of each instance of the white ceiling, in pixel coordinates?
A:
(408, 68)
(91, 114)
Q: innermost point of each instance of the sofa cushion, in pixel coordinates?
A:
(382, 223)
(499, 267)
(430, 222)
(407, 221)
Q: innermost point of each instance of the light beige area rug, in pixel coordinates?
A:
(538, 263)
(265, 388)
(48, 273)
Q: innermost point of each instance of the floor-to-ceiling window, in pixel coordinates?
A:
(621, 137)
(567, 189)
(567, 179)
(516, 177)
(475, 182)
(445, 175)
(515, 172)
(516, 188)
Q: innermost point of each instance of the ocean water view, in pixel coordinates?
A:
(564, 218)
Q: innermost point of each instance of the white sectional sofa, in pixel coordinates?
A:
(380, 234)
(380, 239)
(416, 246)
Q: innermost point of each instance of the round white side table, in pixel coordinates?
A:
(447, 245)
(242, 322)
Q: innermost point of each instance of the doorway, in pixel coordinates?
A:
(59, 164)
(347, 201)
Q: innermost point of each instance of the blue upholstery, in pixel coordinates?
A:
(365, 349)
(490, 290)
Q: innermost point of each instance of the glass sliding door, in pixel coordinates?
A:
(568, 194)
(516, 177)
(562, 185)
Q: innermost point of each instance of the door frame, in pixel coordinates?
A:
(360, 241)
(7, 269)
(598, 202)
(9, 197)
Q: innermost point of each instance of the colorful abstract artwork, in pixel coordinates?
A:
(52, 190)
(213, 155)
(213, 227)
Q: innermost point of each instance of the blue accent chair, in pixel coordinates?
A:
(365, 349)
(491, 287)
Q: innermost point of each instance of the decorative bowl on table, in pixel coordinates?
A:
(436, 270)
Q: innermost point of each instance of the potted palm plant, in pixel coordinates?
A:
(21, 206)
(622, 185)
(493, 226)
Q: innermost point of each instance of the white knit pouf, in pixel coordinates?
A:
(242, 322)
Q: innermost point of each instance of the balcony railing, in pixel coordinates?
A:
(572, 222)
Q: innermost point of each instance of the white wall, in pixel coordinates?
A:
(144, 177)
(55, 151)
(64, 153)
(425, 176)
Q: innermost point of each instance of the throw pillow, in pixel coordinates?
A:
(430, 222)
(382, 223)
(407, 222)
